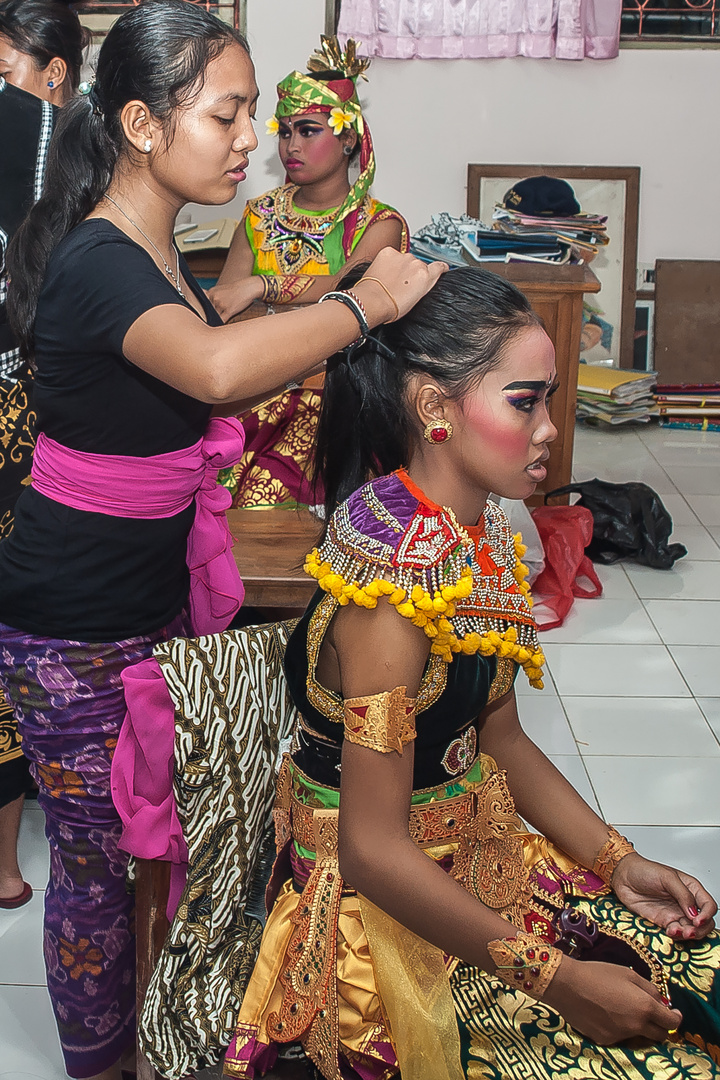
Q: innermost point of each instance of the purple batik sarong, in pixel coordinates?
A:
(69, 704)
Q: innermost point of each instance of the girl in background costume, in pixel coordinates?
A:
(121, 538)
(416, 927)
(295, 242)
(41, 53)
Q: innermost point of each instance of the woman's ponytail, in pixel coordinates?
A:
(81, 160)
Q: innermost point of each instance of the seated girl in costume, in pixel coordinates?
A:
(293, 245)
(416, 927)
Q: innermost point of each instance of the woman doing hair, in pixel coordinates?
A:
(157, 53)
(455, 334)
(45, 30)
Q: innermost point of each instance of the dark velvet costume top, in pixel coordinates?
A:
(465, 587)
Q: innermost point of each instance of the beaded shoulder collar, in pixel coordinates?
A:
(466, 588)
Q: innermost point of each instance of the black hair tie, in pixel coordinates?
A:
(368, 342)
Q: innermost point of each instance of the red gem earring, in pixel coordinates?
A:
(438, 431)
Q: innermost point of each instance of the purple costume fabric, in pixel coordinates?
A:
(69, 704)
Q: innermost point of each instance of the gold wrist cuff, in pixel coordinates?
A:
(615, 848)
(382, 722)
(525, 962)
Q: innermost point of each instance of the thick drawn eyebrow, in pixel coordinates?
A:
(538, 385)
(285, 121)
(535, 385)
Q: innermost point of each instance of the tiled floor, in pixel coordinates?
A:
(630, 712)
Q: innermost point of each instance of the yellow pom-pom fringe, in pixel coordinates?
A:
(520, 571)
(432, 613)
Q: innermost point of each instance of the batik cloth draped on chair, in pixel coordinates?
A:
(456, 29)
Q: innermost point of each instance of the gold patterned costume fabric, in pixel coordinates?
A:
(279, 434)
(17, 441)
(364, 996)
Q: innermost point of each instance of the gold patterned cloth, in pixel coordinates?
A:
(17, 441)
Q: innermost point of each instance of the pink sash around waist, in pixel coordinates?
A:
(159, 487)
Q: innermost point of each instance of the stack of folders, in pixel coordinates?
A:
(610, 396)
(491, 245)
(689, 405)
(581, 234)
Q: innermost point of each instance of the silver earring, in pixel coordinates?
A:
(147, 146)
(347, 150)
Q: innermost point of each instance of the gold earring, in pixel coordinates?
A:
(438, 431)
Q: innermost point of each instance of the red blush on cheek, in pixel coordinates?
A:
(491, 428)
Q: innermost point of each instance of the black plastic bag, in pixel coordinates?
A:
(630, 522)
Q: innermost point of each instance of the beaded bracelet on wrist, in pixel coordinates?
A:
(353, 304)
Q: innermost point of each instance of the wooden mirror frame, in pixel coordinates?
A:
(630, 174)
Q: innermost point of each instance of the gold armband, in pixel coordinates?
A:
(382, 722)
(615, 848)
(525, 962)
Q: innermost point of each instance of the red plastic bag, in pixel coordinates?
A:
(565, 532)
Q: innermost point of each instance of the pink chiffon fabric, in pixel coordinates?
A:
(157, 487)
(466, 29)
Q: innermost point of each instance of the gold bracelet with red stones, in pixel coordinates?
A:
(615, 848)
(525, 962)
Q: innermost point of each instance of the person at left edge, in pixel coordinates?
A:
(41, 54)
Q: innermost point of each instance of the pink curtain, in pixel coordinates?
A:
(457, 29)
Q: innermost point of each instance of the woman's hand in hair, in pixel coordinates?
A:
(406, 280)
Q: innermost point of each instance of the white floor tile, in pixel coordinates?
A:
(604, 621)
(693, 849)
(700, 666)
(700, 544)
(544, 720)
(656, 790)
(573, 769)
(33, 850)
(29, 1043)
(700, 478)
(640, 727)
(615, 582)
(706, 507)
(614, 671)
(524, 689)
(711, 709)
(685, 622)
(21, 955)
(687, 580)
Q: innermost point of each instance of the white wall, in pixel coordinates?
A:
(653, 108)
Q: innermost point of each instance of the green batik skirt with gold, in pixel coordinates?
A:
(368, 999)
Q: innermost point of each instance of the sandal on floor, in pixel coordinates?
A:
(17, 901)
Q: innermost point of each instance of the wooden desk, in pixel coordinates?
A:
(556, 294)
(271, 549)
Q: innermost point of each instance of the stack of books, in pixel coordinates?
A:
(462, 240)
(689, 405)
(581, 234)
(610, 396)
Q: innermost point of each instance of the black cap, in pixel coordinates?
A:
(542, 196)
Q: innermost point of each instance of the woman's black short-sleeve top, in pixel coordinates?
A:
(82, 576)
